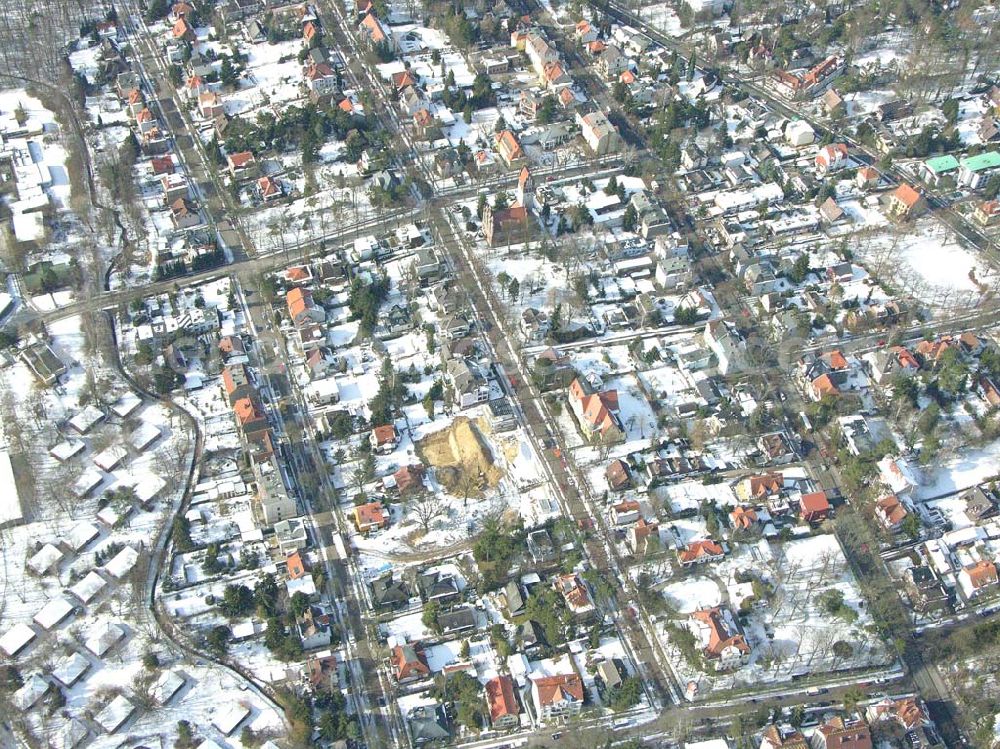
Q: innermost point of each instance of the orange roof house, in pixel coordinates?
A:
(890, 512)
(557, 695)
(409, 663)
(867, 176)
(509, 148)
(298, 274)
(835, 360)
(301, 308)
(269, 189)
(242, 164)
(698, 552)
(403, 79)
(837, 733)
(782, 737)
(725, 643)
(374, 31)
(823, 386)
(596, 412)
(296, 566)
(370, 516)
(162, 164)
(384, 438)
(252, 419)
(980, 575)
(639, 534)
(309, 31)
(563, 686)
(906, 202)
(182, 30)
(814, 507)
(743, 518)
(761, 487)
(574, 592)
(502, 702)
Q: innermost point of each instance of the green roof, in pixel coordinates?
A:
(988, 160)
(942, 164)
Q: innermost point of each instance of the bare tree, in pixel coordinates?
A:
(425, 508)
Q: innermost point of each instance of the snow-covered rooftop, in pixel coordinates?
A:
(53, 612)
(15, 639)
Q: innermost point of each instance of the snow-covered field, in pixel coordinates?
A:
(933, 265)
(792, 634)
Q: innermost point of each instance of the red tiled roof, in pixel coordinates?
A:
(907, 195)
(552, 689)
(500, 698)
(700, 549)
(719, 637)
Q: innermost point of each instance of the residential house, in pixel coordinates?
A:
(470, 385)
(375, 33)
(727, 344)
(554, 76)
(831, 158)
(867, 178)
(514, 598)
(987, 213)
(438, 587)
(509, 149)
(599, 134)
(584, 32)
(384, 439)
(242, 165)
(509, 225)
(743, 518)
(268, 189)
(409, 479)
(612, 63)
(210, 105)
(575, 594)
(782, 736)
(618, 475)
(184, 214)
(595, 412)
(814, 507)
(890, 512)
(388, 592)
(625, 513)
(502, 703)
(980, 503)
(314, 629)
(427, 724)
(906, 203)
(370, 516)
(721, 638)
(700, 552)
(910, 714)
(760, 488)
(302, 309)
(321, 79)
(978, 578)
(456, 620)
(838, 733)
(409, 663)
(641, 534)
(885, 364)
(557, 696)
